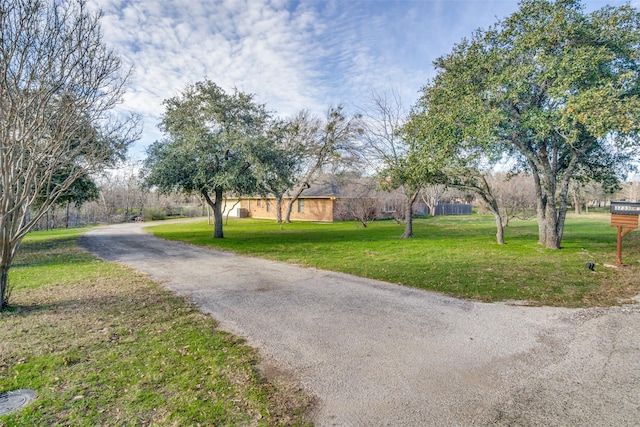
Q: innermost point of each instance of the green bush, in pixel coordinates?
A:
(155, 214)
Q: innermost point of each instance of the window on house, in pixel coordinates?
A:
(389, 207)
(268, 205)
(300, 205)
(259, 203)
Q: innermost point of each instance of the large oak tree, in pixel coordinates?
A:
(553, 87)
(214, 145)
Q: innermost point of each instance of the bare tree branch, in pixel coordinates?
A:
(58, 87)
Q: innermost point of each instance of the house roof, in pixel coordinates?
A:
(355, 189)
(321, 191)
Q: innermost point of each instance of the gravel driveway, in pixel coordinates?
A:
(378, 354)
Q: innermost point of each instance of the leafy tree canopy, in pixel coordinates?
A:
(216, 143)
(553, 87)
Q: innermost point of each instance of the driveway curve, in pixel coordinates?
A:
(378, 354)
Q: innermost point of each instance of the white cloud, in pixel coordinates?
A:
(256, 46)
(293, 54)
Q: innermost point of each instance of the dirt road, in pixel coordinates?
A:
(377, 354)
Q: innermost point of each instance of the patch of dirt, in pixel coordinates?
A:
(290, 397)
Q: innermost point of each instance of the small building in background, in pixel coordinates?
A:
(338, 202)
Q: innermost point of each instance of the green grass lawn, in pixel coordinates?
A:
(454, 255)
(102, 345)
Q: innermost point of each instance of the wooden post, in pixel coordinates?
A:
(619, 247)
(630, 222)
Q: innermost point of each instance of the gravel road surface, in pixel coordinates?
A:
(378, 354)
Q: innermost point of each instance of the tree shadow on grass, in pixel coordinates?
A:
(49, 252)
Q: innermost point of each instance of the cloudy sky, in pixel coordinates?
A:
(292, 54)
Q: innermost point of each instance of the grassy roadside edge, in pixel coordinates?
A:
(455, 256)
(103, 345)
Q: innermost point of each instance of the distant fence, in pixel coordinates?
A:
(453, 209)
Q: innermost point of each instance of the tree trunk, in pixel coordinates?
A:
(296, 195)
(547, 227)
(495, 211)
(287, 215)
(217, 216)
(216, 206)
(4, 280)
(499, 228)
(552, 191)
(551, 226)
(545, 211)
(7, 252)
(504, 219)
(408, 215)
(577, 205)
(408, 222)
(483, 189)
(562, 214)
(279, 208)
(550, 220)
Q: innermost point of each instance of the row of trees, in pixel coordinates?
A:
(121, 197)
(552, 91)
(218, 143)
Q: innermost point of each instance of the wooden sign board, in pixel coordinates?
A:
(625, 208)
(624, 215)
(623, 220)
